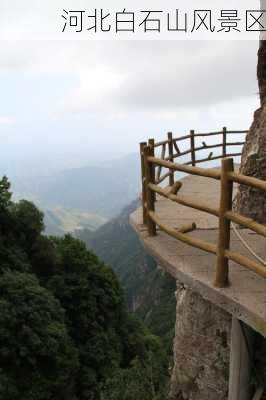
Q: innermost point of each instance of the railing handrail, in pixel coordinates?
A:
(227, 177)
(214, 173)
(171, 144)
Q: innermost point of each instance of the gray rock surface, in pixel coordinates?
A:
(201, 348)
(252, 202)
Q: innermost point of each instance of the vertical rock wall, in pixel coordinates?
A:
(201, 349)
(252, 202)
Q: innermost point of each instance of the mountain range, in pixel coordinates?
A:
(84, 197)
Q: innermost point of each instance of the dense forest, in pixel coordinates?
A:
(65, 332)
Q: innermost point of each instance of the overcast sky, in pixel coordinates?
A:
(86, 98)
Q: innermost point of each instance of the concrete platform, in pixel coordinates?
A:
(245, 298)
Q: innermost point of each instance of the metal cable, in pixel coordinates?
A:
(244, 242)
(253, 365)
(247, 245)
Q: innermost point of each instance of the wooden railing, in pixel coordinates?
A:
(170, 149)
(151, 178)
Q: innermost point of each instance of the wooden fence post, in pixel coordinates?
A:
(144, 211)
(224, 141)
(223, 244)
(151, 144)
(192, 147)
(149, 195)
(171, 158)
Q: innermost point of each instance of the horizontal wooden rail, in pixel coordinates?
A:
(197, 205)
(207, 172)
(247, 180)
(246, 222)
(237, 132)
(183, 153)
(246, 262)
(158, 144)
(208, 134)
(211, 146)
(198, 243)
(214, 158)
(208, 146)
(219, 133)
(180, 138)
(235, 143)
(208, 247)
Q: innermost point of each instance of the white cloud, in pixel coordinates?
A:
(161, 76)
(122, 92)
(95, 89)
(124, 77)
(6, 120)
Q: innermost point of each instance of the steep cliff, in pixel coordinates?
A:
(252, 202)
(201, 348)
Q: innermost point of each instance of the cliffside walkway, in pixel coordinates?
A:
(186, 222)
(245, 297)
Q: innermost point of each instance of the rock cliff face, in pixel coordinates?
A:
(252, 202)
(201, 349)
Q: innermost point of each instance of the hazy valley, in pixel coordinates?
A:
(79, 198)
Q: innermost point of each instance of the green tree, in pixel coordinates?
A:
(94, 304)
(139, 381)
(37, 359)
(43, 257)
(28, 222)
(5, 194)
(5, 202)
(64, 330)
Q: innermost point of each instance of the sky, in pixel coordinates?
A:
(73, 102)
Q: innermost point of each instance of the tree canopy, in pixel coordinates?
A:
(64, 329)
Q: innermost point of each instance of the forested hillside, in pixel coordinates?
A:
(149, 291)
(64, 330)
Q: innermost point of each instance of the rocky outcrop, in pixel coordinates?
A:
(261, 70)
(201, 349)
(252, 202)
